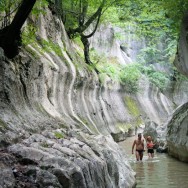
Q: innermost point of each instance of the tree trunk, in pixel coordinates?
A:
(86, 44)
(10, 36)
(58, 7)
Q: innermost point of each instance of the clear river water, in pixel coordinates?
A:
(162, 171)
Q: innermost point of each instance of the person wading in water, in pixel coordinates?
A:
(150, 146)
(139, 147)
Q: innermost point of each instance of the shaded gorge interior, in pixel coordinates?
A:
(67, 98)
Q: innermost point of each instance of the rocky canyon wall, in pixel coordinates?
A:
(56, 118)
(153, 106)
(177, 132)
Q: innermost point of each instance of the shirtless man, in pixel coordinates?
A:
(139, 147)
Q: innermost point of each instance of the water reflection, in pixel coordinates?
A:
(150, 167)
(160, 172)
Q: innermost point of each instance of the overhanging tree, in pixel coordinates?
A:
(81, 18)
(10, 36)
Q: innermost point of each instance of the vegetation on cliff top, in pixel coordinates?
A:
(153, 20)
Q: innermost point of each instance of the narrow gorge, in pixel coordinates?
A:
(60, 119)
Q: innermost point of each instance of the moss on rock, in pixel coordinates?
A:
(134, 111)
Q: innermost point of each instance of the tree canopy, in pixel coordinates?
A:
(81, 18)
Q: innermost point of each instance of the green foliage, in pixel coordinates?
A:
(106, 66)
(82, 17)
(153, 18)
(111, 15)
(150, 54)
(8, 9)
(130, 74)
(158, 78)
(39, 7)
(102, 77)
(8, 5)
(28, 34)
(73, 11)
(156, 21)
(78, 41)
(112, 70)
(177, 75)
(132, 106)
(29, 37)
(124, 127)
(59, 135)
(49, 46)
(170, 50)
(133, 110)
(129, 77)
(44, 144)
(96, 57)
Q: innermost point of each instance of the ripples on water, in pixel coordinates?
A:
(160, 172)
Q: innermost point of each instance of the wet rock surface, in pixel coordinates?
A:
(177, 133)
(177, 126)
(83, 161)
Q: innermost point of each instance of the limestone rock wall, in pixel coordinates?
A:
(151, 107)
(177, 133)
(150, 102)
(56, 119)
(177, 130)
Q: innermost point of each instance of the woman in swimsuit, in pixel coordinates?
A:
(150, 146)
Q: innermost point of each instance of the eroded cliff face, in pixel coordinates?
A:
(56, 119)
(150, 105)
(177, 132)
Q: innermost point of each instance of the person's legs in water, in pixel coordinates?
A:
(150, 153)
(139, 155)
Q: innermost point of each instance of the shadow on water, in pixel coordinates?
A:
(160, 172)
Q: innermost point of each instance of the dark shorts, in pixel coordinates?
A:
(150, 150)
(140, 151)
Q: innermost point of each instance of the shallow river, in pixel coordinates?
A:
(160, 172)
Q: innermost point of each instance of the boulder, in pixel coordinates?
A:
(177, 133)
(150, 130)
(158, 134)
